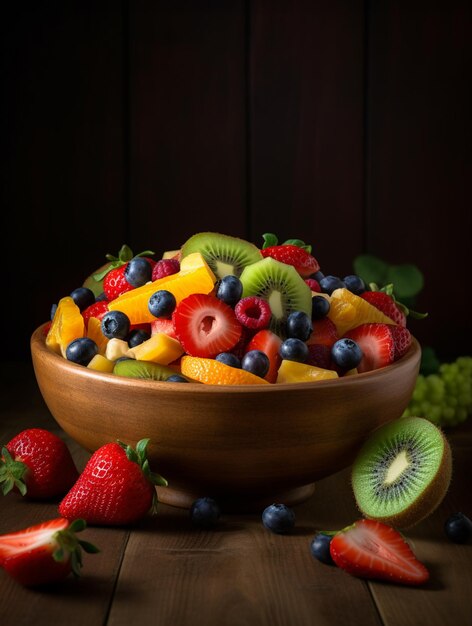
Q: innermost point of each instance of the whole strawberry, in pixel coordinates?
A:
(385, 303)
(115, 488)
(38, 464)
(44, 553)
(292, 252)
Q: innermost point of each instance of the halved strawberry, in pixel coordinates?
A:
(205, 325)
(401, 340)
(269, 343)
(385, 303)
(376, 342)
(324, 332)
(373, 550)
(304, 262)
(163, 325)
(44, 553)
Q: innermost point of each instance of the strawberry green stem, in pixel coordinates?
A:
(12, 473)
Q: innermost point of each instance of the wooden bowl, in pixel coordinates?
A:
(247, 446)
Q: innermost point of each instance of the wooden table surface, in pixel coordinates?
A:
(165, 572)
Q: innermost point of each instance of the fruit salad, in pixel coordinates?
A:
(222, 310)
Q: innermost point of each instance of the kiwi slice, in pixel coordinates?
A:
(402, 472)
(224, 254)
(146, 370)
(281, 285)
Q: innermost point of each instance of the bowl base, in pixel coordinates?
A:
(237, 504)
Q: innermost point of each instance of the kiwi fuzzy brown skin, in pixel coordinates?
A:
(427, 500)
(219, 250)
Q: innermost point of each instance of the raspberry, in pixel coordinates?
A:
(319, 355)
(253, 312)
(313, 284)
(165, 267)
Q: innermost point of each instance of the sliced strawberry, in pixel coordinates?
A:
(319, 355)
(205, 325)
(376, 342)
(97, 309)
(304, 262)
(163, 325)
(373, 550)
(324, 332)
(385, 303)
(44, 553)
(269, 343)
(401, 340)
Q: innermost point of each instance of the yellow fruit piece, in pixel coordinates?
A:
(194, 276)
(160, 348)
(170, 254)
(212, 372)
(67, 325)
(99, 363)
(94, 332)
(294, 372)
(348, 311)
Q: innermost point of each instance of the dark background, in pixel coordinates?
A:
(344, 123)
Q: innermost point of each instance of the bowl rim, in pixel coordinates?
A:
(38, 345)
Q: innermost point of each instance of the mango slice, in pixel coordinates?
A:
(99, 363)
(67, 325)
(348, 311)
(294, 372)
(160, 348)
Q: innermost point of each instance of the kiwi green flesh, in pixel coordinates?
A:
(223, 253)
(145, 370)
(281, 285)
(402, 472)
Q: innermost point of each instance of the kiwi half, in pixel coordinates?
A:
(281, 285)
(223, 253)
(145, 370)
(402, 472)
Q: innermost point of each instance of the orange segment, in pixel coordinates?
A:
(194, 276)
(348, 311)
(294, 372)
(94, 331)
(160, 348)
(214, 372)
(67, 325)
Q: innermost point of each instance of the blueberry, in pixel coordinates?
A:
(299, 325)
(230, 289)
(256, 362)
(329, 283)
(53, 310)
(137, 336)
(83, 297)
(346, 353)
(458, 528)
(319, 307)
(319, 547)
(293, 349)
(278, 518)
(138, 272)
(115, 324)
(205, 512)
(228, 358)
(176, 378)
(162, 303)
(354, 283)
(317, 275)
(81, 350)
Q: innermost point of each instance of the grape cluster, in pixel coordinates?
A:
(445, 398)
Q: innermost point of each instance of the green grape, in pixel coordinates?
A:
(445, 397)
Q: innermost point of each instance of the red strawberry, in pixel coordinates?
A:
(97, 309)
(115, 283)
(385, 303)
(38, 464)
(304, 262)
(44, 553)
(269, 343)
(115, 488)
(373, 550)
(401, 340)
(240, 348)
(313, 284)
(163, 325)
(165, 267)
(319, 355)
(324, 332)
(376, 343)
(205, 325)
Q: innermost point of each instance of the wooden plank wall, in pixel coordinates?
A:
(347, 124)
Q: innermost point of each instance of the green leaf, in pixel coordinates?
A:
(299, 243)
(125, 254)
(7, 485)
(100, 275)
(78, 525)
(88, 547)
(371, 269)
(269, 240)
(146, 253)
(407, 278)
